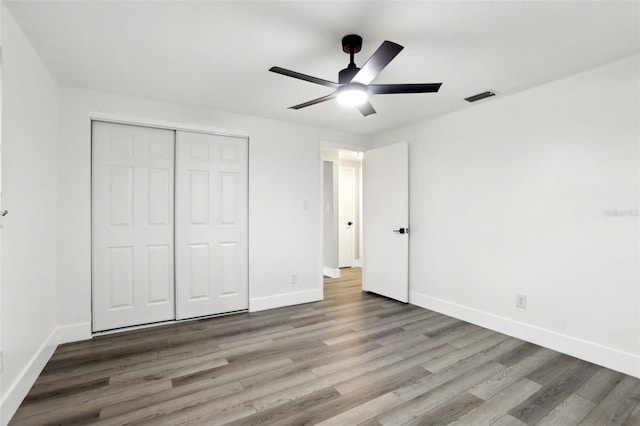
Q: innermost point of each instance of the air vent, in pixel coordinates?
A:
(479, 96)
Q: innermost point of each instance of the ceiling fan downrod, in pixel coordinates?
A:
(351, 44)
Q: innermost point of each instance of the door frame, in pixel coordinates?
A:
(169, 125)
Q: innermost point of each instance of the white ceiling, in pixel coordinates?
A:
(216, 54)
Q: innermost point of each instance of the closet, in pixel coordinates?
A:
(169, 224)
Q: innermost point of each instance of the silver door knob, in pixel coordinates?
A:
(4, 212)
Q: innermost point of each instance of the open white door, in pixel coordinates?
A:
(386, 221)
(346, 215)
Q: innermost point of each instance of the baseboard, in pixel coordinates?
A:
(73, 333)
(356, 263)
(331, 272)
(17, 390)
(286, 299)
(614, 359)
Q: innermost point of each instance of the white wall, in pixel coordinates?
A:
(330, 215)
(515, 196)
(29, 175)
(329, 237)
(1, 226)
(284, 173)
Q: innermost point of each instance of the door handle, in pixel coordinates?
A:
(4, 212)
(401, 231)
(349, 223)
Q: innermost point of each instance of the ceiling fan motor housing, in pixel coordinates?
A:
(347, 74)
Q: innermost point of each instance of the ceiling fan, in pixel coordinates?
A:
(354, 84)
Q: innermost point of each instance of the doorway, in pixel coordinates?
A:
(342, 204)
(383, 203)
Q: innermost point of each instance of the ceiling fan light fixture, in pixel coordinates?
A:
(353, 94)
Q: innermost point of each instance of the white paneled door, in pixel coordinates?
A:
(211, 224)
(140, 273)
(132, 203)
(386, 221)
(346, 216)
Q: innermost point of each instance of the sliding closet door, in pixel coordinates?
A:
(211, 224)
(132, 197)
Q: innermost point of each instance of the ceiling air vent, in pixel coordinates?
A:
(479, 96)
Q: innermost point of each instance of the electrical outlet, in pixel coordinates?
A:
(521, 301)
(294, 279)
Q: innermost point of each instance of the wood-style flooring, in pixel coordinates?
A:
(352, 359)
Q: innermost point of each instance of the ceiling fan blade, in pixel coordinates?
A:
(304, 77)
(383, 89)
(377, 62)
(315, 101)
(366, 108)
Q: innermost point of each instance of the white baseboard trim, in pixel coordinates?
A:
(356, 263)
(73, 332)
(17, 390)
(285, 299)
(331, 272)
(614, 359)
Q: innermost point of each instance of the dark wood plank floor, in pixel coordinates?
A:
(354, 358)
